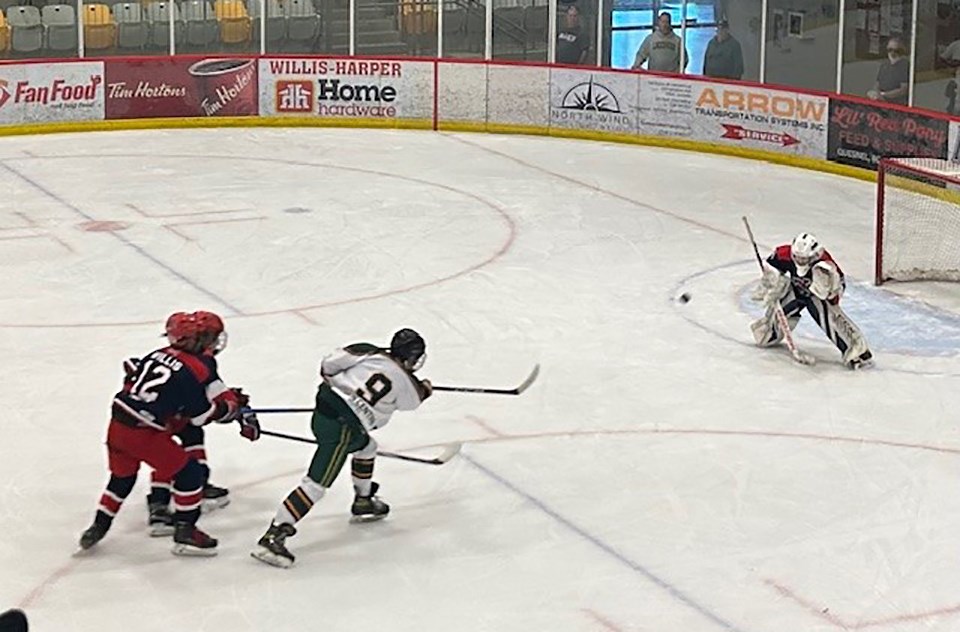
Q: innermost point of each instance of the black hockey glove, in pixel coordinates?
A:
(426, 389)
(249, 426)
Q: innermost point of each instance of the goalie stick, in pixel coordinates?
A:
(779, 316)
(449, 451)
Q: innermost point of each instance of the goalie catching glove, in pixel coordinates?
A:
(825, 282)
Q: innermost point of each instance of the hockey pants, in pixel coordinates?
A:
(127, 448)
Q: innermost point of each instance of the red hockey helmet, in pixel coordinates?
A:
(199, 332)
(179, 328)
(211, 332)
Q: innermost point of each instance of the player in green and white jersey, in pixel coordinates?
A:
(363, 385)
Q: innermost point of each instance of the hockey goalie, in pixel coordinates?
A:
(803, 276)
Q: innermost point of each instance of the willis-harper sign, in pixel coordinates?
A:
(346, 88)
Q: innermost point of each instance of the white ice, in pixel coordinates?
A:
(662, 474)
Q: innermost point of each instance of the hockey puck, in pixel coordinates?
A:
(684, 298)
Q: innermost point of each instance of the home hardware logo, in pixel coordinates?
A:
(591, 103)
(294, 96)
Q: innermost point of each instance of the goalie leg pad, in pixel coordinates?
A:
(841, 331)
(766, 332)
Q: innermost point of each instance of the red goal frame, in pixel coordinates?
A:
(900, 165)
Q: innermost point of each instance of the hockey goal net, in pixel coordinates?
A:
(918, 220)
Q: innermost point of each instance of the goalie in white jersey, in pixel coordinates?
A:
(363, 385)
(804, 277)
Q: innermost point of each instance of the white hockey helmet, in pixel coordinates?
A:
(805, 251)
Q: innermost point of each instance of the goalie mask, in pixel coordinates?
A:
(805, 251)
(409, 349)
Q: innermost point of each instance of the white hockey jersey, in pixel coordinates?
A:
(372, 383)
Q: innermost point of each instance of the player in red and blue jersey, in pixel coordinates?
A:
(171, 388)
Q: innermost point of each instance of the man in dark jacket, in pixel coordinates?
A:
(724, 58)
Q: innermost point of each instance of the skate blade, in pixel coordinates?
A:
(212, 504)
(160, 530)
(185, 550)
(364, 519)
(268, 557)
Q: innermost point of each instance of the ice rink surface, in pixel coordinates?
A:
(662, 475)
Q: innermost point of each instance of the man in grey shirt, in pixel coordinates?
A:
(662, 49)
(724, 58)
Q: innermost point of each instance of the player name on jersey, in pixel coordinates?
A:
(168, 361)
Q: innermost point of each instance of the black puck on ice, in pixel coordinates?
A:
(684, 298)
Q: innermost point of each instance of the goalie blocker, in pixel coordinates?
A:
(804, 276)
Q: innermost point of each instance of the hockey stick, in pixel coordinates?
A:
(449, 451)
(494, 391)
(781, 318)
(449, 389)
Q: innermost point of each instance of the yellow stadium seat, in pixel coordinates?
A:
(99, 29)
(234, 21)
(4, 33)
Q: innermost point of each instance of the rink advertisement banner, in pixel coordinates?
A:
(346, 88)
(744, 116)
(168, 87)
(46, 93)
(861, 134)
(584, 99)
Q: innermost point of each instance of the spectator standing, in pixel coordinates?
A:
(893, 77)
(662, 50)
(724, 57)
(951, 55)
(573, 42)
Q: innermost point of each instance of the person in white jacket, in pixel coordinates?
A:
(663, 49)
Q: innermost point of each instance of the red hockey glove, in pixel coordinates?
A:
(249, 426)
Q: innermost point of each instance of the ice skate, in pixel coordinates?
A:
(271, 548)
(188, 540)
(214, 497)
(369, 508)
(863, 361)
(92, 535)
(160, 520)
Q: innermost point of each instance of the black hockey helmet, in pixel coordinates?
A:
(408, 347)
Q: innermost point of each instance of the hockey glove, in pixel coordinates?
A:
(825, 283)
(242, 398)
(131, 366)
(249, 426)
(426, 389)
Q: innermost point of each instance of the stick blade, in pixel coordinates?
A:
(450, 451)
(530, 380)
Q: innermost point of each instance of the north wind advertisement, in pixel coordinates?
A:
(346, 88)
(167, 87)
(746, 116)
(861, 134)
(583, 99)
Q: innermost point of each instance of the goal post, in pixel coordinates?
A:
(918, 220)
